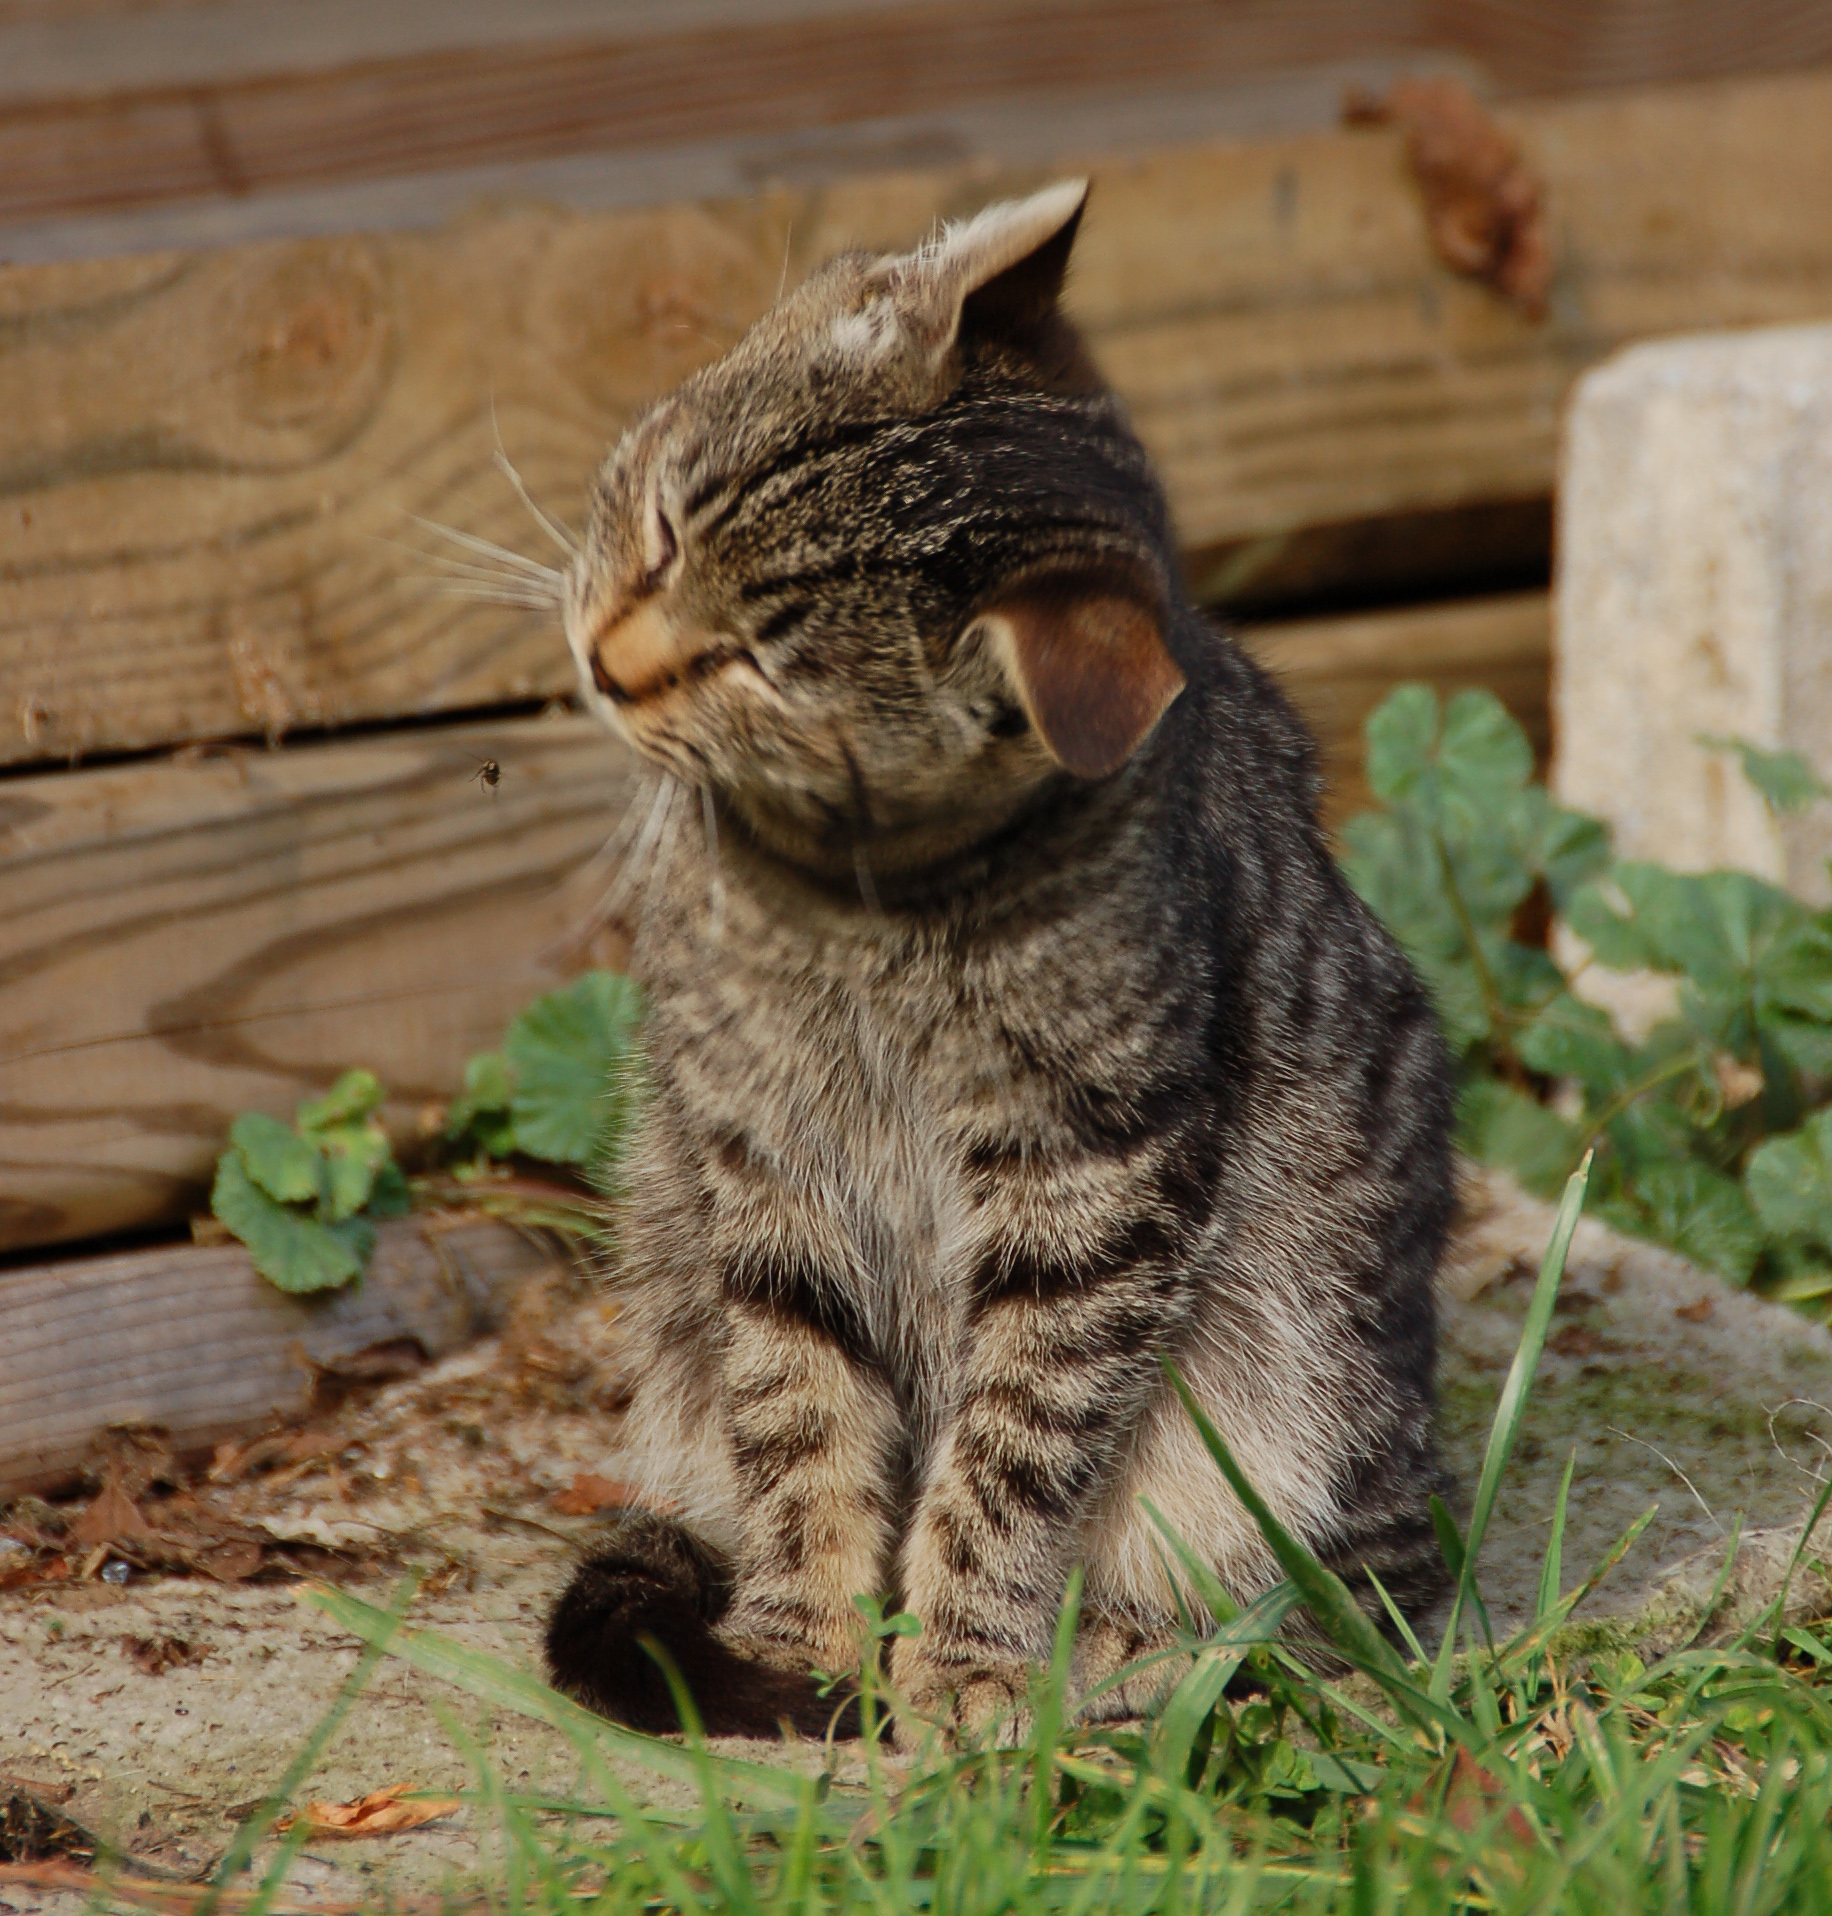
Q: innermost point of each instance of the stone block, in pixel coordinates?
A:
(1694, 596)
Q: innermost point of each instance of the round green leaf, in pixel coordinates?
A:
(281, 1162)
(290, 1249)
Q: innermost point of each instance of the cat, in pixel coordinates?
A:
(1011, 1030)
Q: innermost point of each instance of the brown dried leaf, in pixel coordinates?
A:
(588, 1494)
(1484, 206)
(156, 1655)
(380, 1813)
(1737, 1081)
(112, 1517)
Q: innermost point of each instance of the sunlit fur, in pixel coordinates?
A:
(978, 1087)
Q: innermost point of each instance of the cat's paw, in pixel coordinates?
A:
(967, 1699)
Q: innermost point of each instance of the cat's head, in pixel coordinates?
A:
(892, 564)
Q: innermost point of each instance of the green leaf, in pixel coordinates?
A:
(1805, 1045)
(1703, 1214)
(481, 1114)
(354, 1156)
(1570, 1039)
(1789, 1181)
(1483, 753)
(289, 1248)
(280, 1162)
(391, 1195)
(568, 1052)
(1784, 779)
(1504, 1126)
(349, 1101)
(1796, 971)
(1572, 849)
(1402, 736)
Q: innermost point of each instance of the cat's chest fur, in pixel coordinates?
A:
(873, 1068)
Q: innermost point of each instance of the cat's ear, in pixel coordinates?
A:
(1000, 271)
(1086, 656)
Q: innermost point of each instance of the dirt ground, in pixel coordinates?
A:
(159, 1666)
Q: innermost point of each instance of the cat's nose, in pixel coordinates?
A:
(636, 650)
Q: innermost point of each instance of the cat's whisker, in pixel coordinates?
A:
(495, 575)
(562, 535)
(489, 549)
(463, 589)
(585, 927)
(715, 884)
(664, 855)
(632, 867)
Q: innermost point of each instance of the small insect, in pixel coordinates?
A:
(488, 773)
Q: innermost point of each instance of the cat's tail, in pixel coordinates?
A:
(650, 1582)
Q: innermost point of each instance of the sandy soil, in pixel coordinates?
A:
(150, 1710)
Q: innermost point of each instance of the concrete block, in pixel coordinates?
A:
(1694, 595)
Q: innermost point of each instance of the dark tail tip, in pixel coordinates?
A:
(650, 1581)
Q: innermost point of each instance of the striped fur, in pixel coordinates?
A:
(980, 1084)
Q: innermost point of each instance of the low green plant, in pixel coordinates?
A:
(305, 1199)
(1710, 1130)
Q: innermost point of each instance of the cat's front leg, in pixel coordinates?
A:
(814, 1436)
(1061, 1359)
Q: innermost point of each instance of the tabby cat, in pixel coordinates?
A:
(1011, 1031)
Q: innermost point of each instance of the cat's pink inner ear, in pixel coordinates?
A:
(1091, 668)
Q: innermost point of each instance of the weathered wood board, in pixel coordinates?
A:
(180, 941)
(204, 454)
(191, 1340)
(112, 112)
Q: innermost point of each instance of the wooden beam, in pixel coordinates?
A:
(203, 454)
(184, 940)
(191, 1341)
(1337, 670)
(251, 103)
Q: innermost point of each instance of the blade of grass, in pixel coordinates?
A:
(1510, 1410)
(1399, 1621)
(1203, 1580)
(377, 1639)
(500, 1683)
(1552, 1569)
(1533, 1638)
(1046, 1719)
(1325, 1595)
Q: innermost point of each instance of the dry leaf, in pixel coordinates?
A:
(156, 1655)
(1694, 1313)
(1484, 206)
(1737, 1081)
(112, 1517)
(588, 1495)
(380, 1813)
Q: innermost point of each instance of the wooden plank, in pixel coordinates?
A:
(234, 108)
(181, 941)
(1338, 670)
(203, 453)
(193, 1342)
